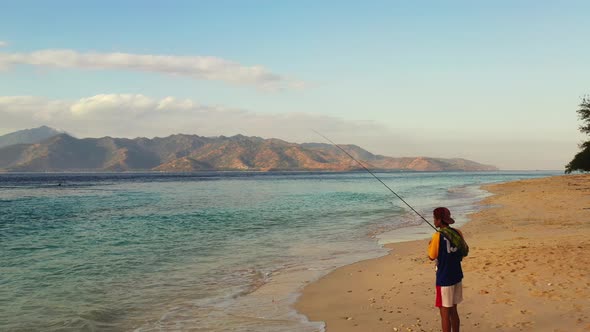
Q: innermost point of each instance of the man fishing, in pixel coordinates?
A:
(448, 247)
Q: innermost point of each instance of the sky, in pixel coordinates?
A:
(497, 82)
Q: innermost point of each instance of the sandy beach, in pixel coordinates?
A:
(528, 269)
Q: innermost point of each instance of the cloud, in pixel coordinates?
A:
(3, 43)
(197, 67)
(133, 115)
(104, 104)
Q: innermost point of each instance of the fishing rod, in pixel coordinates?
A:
(378, 179)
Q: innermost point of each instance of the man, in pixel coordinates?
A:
(448, 247)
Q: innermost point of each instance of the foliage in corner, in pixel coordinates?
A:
(581, 161)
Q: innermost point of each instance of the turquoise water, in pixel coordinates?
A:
(205, 251)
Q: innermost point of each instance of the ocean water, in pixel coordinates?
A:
(215, 251)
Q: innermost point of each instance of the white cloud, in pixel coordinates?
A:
(198, 67)
(3, 43)
(113, 103)
(133, 115)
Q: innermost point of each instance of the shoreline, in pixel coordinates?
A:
(528, 269)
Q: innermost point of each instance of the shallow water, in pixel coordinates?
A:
(205, 251)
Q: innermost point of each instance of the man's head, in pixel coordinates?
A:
(442, 217)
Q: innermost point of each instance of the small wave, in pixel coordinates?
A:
(257, 279)
(393, 222)
(104, 319)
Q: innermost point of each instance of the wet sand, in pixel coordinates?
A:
(528, 269)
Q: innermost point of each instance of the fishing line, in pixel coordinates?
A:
(378, 179)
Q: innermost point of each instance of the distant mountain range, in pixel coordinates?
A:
(45, 149)
(28, 136)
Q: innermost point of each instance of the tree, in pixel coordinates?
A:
(581, 161)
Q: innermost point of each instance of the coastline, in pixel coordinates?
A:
(528, 269)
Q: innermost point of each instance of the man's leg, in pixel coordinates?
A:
(445, 318)
(454, 316)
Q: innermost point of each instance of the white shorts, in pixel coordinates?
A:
(449, 296)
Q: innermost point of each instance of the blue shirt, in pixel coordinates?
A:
(448, 265)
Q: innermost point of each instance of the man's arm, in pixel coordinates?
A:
(433, 246)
